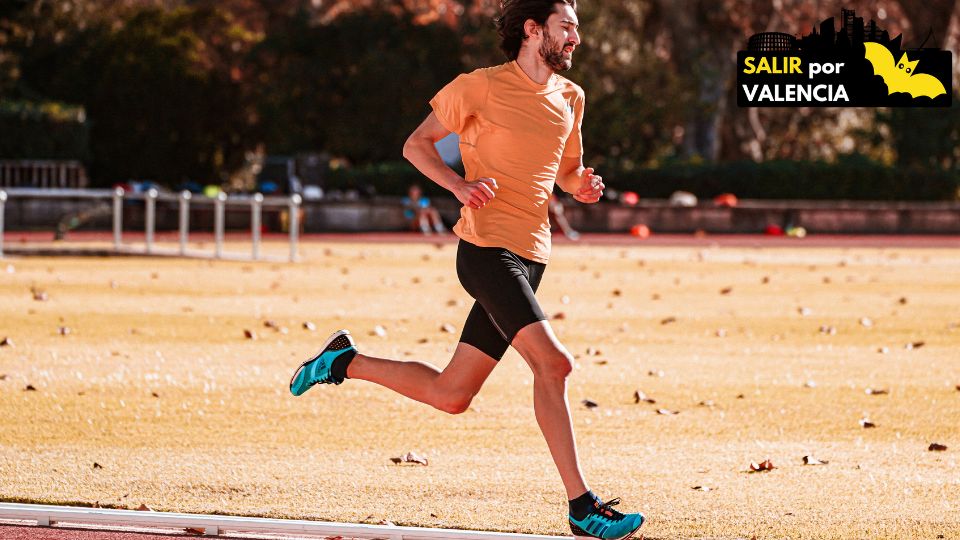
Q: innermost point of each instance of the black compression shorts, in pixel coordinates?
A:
(503, 285)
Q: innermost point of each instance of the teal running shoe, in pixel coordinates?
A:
(317, 369)
(605, 522)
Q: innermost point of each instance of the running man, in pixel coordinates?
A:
(519, 126)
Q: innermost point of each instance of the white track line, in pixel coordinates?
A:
(213, 525)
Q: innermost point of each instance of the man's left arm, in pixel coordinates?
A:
(579, 181)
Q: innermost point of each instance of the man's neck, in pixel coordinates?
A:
(533, 65)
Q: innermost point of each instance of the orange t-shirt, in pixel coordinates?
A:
(513, 130)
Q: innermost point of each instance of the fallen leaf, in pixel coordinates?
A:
(6, 342)
(765, 280)
(866, 424)
(63, 330)
(601, 362)
(866, 322)
(914, 345)
(617, 292)
(667, 412)
(97, 465)
(668, 320)
(763, 466)
(590, 404)
(829, 330)
(593, 352)
(564, 299)
(39, 295)
(154, 394)
(804, 311)
(902, 301)
(410, 457)
(448, 328)
(936, 447)
(810, 460)
(883, 350)
(655, 373)
(271, 324)
(639, 396)
(654, 296)
(877, 391)
(726, 290)
(958, 388)
(741, 396)
(3, 376)
(194, 530)
(309, 326)
(30, 388)
(559, 316)
(706, 403)
(810, 384)
(379, 331)
(386, 522)
(144, 508)
(249, 334)
(702, 488)
(721, 333)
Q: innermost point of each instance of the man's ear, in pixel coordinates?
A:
(531, 28)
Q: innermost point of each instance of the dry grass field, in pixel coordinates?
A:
(152, 393)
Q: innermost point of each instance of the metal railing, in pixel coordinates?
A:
(185, 200)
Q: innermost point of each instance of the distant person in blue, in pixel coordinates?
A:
(419, 213)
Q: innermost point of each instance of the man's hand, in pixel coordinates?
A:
(591, 187)
(475, 194)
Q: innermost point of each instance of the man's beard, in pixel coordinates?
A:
(552, 53)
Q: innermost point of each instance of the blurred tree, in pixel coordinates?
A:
(355, 86)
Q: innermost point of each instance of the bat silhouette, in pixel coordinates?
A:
(900, 76)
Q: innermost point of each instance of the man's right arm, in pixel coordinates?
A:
(421, 152)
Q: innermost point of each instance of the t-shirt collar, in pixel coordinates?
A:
(526, 78)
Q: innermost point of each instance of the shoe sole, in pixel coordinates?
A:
(326, 344)
(628, 536)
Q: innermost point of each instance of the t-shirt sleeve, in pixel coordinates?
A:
(458, 101)
(574, 145)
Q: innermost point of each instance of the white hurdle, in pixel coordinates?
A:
(185, 200)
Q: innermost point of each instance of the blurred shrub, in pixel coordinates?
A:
(850, 177)
(45, 130)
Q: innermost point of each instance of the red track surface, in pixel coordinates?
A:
(14, 532)
(677, 240)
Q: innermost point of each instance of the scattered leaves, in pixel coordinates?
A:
(936, 447)
(667, 412)
(721, 332)
(591, 351)
(877, 391)
(707, 403)
(410, 457)
(866, 322)
(97, 465)
(883, 350)
(447, 328)
(559, 316)
(804, 311)
(763, 466)
(639, 396)
(914, 345)
(726, 290)
(668, 320)
(810, 460)
(154, 394)
(810, 384)
(702, 488)
(63, 330)
(655, 373)
(6, 342)
(194, 530)
(379, 331)
(3, 376)
(144, 508)
(902, 301)
(828, 330)
(271, 324)
(249, 334)
(617, 292)
(39, 294)
(866, 424)
(309, 326)
(30, 388)
(590, 404)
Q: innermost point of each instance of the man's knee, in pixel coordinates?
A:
(555, 364)
(455, 402)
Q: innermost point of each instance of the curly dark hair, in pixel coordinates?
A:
(513, 13)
